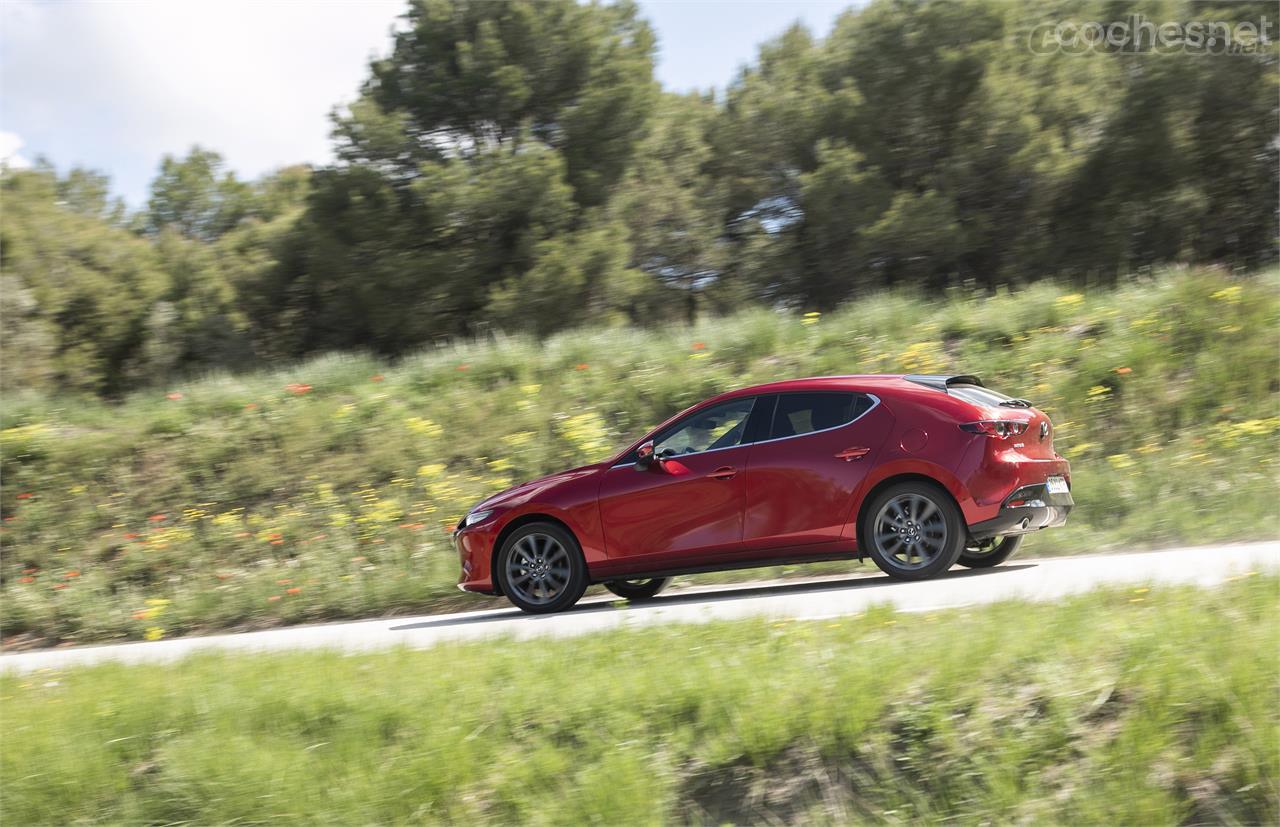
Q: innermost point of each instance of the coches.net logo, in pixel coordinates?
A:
(1137, 34)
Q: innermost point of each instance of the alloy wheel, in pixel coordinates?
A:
(538, 568)
(910, 531)
(982, 548)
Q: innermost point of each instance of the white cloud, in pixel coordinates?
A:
(116, 85)
(9, 156)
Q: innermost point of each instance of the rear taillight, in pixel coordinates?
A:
(995, 428)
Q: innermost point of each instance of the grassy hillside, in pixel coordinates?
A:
(1126, 707)
(325, 490)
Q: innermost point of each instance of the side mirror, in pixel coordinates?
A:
(644, 456)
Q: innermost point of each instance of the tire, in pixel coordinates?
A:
(990, 553)
(638, 589)
(927, 516)
(541, 569)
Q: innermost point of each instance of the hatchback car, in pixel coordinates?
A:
(916, 472)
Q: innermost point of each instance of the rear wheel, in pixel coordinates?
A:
(540, 568)
(638, 589)
(990, 552)
(913, 531)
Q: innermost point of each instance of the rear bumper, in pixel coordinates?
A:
(1033, 508)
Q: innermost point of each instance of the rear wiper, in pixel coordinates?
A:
(1015, 403)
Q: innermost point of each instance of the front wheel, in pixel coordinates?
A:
(913, 531)
(989, 553)
(638, 589)
(541, 569)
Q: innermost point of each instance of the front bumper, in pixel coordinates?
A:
(1029, 509)
(473, 545)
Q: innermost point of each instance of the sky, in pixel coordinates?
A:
(115, 85)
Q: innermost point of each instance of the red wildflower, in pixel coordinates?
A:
(26, 580)
(284, 582)
(581, 366)
(252, 406)
(297, 388)
(158, 518)
(1123, 371)
(273, 598)
(464, 367)
(26, 496)
(173, 395)
(129, 535)
(378, 378)
(294, 590)
(59, 585)
(72, 573)
(699, 345)
(140, 615)
(277, 542)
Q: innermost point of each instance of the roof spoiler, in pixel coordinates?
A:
(943, 382)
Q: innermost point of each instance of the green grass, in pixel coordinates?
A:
(322, 490)
(1121, 707)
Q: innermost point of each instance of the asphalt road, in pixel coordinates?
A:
(1032, 579)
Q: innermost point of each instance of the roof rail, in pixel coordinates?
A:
(943, 382)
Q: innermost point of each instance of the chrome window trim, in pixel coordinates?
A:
(875, 403)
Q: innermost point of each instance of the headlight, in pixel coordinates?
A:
(477, 516)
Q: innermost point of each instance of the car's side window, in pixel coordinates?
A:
(803, 413)
(720, 426)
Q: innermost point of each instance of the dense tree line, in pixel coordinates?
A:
(514, 165)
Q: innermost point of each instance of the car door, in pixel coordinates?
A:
(689, 504)
(819, 448)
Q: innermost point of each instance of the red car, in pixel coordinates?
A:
(916, 472)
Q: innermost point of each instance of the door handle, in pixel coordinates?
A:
(727, 472)
(849, 454)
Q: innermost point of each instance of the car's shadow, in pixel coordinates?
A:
(676, 599)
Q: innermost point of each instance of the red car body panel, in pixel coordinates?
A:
(681, 511)
(800, 492)
(792, 497)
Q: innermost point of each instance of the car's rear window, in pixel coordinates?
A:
(803, 413)
(978, 395)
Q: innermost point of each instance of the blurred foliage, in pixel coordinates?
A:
(325, 489)
(193, 197)
(1134, 706)
(514, 165)
(77, 290)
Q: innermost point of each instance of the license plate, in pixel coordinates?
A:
(1056, 485)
